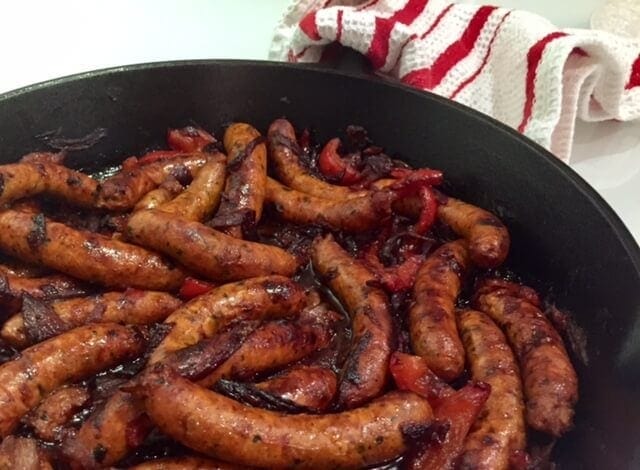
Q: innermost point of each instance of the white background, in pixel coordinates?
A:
(40, 40)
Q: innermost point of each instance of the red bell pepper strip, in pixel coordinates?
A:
(411, 373)
(189, 139)
(192, 287)
(419, 176)
(333, 166)
(459, 410)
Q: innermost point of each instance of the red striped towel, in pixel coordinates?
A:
(512, 65)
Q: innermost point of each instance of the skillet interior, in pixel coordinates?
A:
(562, 231)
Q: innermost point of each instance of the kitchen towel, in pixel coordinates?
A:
(513, 65)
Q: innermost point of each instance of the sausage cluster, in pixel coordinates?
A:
(265, 302)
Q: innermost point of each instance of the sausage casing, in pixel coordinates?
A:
(366, 369)
(550, 381)
(285, 155)
(84, 255)
(351, 215)
(71, 356)
(272, 346)
(263, 297)
(129, 307)
(186, 463)
(201, 198)
(123, 190)
(210, 253)
(432, 322)
(246, 182)
(218, 426)
(499, 430)
(21, 180)
(55, 410)
(310, 387)
(487, 236)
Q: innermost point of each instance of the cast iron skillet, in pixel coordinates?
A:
(565, 237)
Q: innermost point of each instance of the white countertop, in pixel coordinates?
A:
(42, 40)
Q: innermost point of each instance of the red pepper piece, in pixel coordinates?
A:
(157, 155)
(420, 176)
(411, 373)
(428, 212)
(333, 166)
(192, 287)
(459, 411)
(189, 139)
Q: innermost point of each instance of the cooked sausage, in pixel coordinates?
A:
(245, 188)
(48, 419)
(20, 180)
(129, 307)
(284, 153)
(550, 381)
(202, 317)
(22, 453)
(487, 236)
(351, 215)
(108, 428)
(186, 463)
(53, 286)
(499, 430)
(71, 356)
(201, 198)
(432, 321)
(169, 189)
(123, 190)
(109, 434)
(365, 371)
(189, 139)
(311, 387)
(84, 255)
(218, 426)
(206, 251)
(274, 345)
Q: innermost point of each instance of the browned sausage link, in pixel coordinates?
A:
(108, 428)
(499, 429)
(351, 215)
(48, 419)
(284, 153)
(22, 453)
(206, 251)
(84, 255)
(71, 356)
(311, 387)
(487, 236)
(109, 434)
(123, 190)
(257, 298)
(365, 371)
(550, 381)
(245, 188)
(186, 463)
(201, 198)
(432, 321)
(271, 347)
(218, 426)
(169, 189)
(20, 180)
(129, 307)
(52, 286)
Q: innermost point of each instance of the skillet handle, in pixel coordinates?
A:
(345, 59)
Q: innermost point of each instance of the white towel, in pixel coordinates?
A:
(512, 65)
